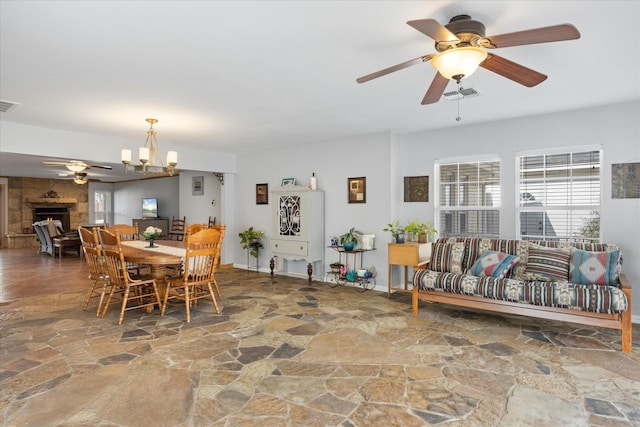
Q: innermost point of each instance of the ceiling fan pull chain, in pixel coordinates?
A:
(458, 118)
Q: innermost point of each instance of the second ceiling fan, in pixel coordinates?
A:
(461, 46)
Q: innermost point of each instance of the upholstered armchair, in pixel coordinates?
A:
(47, 231)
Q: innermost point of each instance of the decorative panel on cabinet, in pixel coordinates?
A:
(297, 226)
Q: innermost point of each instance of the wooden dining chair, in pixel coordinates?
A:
(222, 229)
(176, 231)
(212, 222)
(143, 293)
(198, 280)
(128, 232)
(125, 231)
(93, 257)
(192, 229)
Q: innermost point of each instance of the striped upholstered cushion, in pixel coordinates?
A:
(447, 257)
(593, 298)
(547, 264)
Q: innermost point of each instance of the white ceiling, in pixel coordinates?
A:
(240, 76)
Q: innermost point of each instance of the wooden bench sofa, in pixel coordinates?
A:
(530, 278)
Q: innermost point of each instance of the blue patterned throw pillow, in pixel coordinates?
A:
(493, 264)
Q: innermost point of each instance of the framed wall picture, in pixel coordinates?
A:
(262, 194)
(625, 180)
(416, 188)
(288, 181)
(197, 185)
(357, 190)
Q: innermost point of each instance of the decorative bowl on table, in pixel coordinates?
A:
(152, 233)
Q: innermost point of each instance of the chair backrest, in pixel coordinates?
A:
(193, 228)
(125, 231)
(108, 239)
(200, 264)
(205, 238)
(113, 262)
(222, 229)
(88, 237)
(92, 252)
(177, 224)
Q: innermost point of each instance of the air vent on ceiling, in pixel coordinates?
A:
(6, 106)
(465, 92)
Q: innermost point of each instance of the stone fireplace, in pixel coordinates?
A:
(35, 199)
(53, 213)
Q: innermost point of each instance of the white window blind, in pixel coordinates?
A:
(560, 195)
(468, 199)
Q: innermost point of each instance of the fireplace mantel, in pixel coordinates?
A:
(52, 201)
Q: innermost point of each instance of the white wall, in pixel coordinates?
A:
(127, 198)
(333, 162)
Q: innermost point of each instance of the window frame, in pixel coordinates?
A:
(569, 208)
(463, 192)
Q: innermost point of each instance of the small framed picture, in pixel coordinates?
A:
(262, 194)
(197, 185)
(416, 188)
(357, 190)
(288, 181)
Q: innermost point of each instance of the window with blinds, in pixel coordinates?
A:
(468, 199)
(560, 195)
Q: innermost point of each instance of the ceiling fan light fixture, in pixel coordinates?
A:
(459, 62)
(76, 167)
(80, 178)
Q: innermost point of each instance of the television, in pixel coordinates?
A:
(149, 207)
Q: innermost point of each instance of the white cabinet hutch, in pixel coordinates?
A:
(297, 226)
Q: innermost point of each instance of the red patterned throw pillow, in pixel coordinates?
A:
(593, 267)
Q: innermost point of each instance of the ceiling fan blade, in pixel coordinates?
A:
(52, 163)
(398, 67)
(433, 29)
(99, 166)
(516, 72)
(553, 33)
(435, 91)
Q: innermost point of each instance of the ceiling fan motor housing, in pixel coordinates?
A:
(468, 31)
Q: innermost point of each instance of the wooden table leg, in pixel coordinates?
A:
(159, 274)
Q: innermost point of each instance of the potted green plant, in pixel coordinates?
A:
(396, 230)
(420, 231)
(250, 239)
(349, 239)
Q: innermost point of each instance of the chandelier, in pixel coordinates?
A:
(148, 154)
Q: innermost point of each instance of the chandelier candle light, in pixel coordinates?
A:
(147, 156)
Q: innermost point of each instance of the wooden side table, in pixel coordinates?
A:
(406, 254)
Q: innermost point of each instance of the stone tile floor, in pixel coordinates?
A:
(284, 352)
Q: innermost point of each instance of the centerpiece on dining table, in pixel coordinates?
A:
(151, 233)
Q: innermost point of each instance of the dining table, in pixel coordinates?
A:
(164, 253)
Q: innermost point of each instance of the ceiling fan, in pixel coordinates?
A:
(461, 46)
(75, 165)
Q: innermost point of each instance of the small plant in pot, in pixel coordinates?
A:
(397, 231)
(420, 230)
(336, 266)
(250, 239)
(349, 239)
